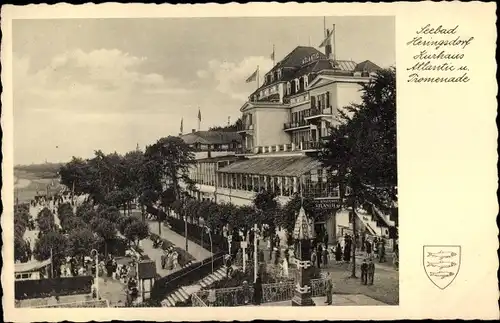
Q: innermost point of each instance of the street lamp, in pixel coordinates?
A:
(255, 251)
(96, 271)
(202, 223)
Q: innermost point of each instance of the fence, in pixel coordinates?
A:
(275, 292)
(196, 301)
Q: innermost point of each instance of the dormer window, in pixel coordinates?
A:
(297, 85)
(288, 88)
(272, 77)
(279, 74)
(306, 81)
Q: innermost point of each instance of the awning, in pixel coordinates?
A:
(292, 166)
(30, 266)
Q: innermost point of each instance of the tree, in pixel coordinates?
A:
(109, 213)
(106, 230)
(170, 158)
(51, 243)
(80, 241)
(72, 223)
(45, 220)
(266, 204)
(362, 148)
(20, 248)
(229, 128)
(64, 211)
(136, 231)
(148, 197)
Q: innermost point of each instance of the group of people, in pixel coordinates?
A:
(367, 272)
(375, 247)
(170, 259)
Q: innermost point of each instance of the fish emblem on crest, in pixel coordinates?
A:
(441, 264)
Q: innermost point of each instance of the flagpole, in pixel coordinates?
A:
(324, 26)
(258, 72)
(199, 119)
(274, 57)
(333, 44)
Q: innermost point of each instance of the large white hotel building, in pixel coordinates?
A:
(283, 122)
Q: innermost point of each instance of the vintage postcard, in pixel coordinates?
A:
(194, 162)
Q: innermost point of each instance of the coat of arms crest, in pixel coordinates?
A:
(441, 264)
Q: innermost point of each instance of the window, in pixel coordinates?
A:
(272, 77)
(327, 100)
(313, 102)
(279, 74)
(306, 81)
(297, 85)
(288, 88)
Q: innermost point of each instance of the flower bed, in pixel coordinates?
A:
(184, 256)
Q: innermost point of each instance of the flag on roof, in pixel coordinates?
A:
(182, 125)
(199, 114)
(327, 39)
(253, 77)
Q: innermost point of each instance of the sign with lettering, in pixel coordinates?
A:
(327, 204)
(310, 58)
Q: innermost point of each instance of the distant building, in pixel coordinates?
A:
(207, 144)
(31, 269)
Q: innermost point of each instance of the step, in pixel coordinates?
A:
(172, 300)
(180, 296)
(175, 297)
(203, 285)
(183, 294)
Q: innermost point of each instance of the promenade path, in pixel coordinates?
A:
(338, 300)
(194, 249)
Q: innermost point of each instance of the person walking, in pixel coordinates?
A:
(329, 289)
(371, 272)
(364, 272)
(318, 255)
(313, 257)
(338, 253)
(368, 249)
(257, 290)
(325, 257)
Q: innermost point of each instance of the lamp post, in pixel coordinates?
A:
(96, 271)
(303, 234)
(255, 251)
(205, 227)
(185, 221)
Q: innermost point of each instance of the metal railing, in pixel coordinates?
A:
(290, 125)
(271, 293)
(196, 301)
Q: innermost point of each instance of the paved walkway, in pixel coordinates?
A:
(194, 249)
(155, 254)
(338, 300)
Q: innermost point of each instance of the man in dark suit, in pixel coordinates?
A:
(364, 272)
(371, 272)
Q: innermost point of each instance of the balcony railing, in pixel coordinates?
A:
(316, 112)
(245, 127)
(311, 145)
(297, 124)
(271, 293)
(196, 301)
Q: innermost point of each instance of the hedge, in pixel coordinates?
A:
(62, 286)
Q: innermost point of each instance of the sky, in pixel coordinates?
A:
(110, 84)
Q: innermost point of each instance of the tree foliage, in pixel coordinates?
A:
(362, 147)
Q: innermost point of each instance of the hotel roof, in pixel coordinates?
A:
(211, 138)
(291, 166)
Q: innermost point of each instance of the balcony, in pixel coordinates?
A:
(310, 145)
(318, 113)
(302, 124)
(245, 128)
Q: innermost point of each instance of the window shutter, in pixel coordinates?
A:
(313, 102)
(327, 100)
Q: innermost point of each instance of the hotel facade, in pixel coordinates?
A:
(283, 124)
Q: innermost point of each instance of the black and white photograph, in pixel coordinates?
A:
(205, 162)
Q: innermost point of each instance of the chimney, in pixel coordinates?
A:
(193, 130)
(328, 47)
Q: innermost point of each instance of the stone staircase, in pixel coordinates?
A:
(183, 294)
